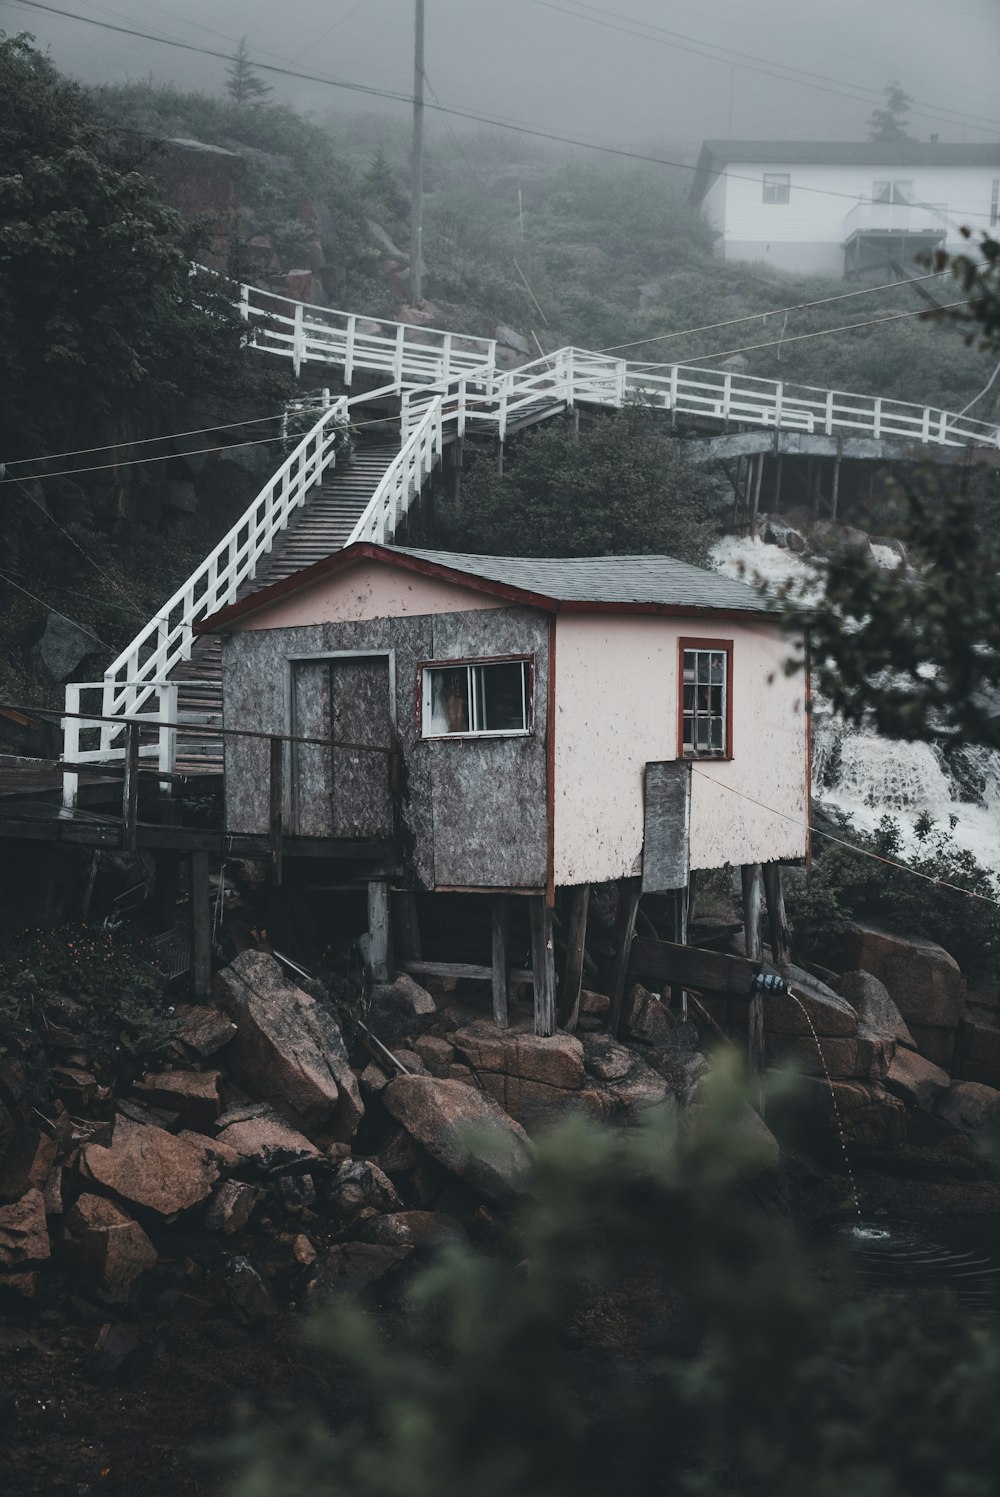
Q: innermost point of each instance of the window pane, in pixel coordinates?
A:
(449, 700)
(717, 740)
(689, 699)
(689, 659)
(701, 733)
(501, 698)
(718, 666)
(715, 702)
(703, 666)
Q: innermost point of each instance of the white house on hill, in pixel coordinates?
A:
(845, 207)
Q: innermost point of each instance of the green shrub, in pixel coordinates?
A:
(122, 1009)
(845, 884)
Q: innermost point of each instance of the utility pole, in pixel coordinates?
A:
(417, 161)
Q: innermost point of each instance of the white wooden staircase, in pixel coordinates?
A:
(446, 384)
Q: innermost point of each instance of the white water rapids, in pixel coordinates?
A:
(857, 771)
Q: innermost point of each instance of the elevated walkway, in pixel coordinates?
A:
(446, 385)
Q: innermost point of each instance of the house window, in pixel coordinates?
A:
(706, 714)
(776, 185)
(482, 697)
(892, 192)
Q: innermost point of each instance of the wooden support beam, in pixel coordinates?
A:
(777, 918)
(753, 895)
(629, 894)
(576, 941)
(776, 497)
(835, 495)
(130, 788)
(691, 967)
(755, 502)
(498, 923)
(406, 924)
(379, 942)
(469, 971)
(201, 925)
(543, 965)
(277, 806)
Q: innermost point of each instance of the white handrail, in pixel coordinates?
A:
(404, 478)
(167, 638)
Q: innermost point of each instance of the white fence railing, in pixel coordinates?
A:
(166, 640)
(446, 382)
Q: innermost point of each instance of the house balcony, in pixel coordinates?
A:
(878, 236)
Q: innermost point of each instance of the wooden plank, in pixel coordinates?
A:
(666, 852)
(691, 967)
(576, 941)
(498, 922)
(277, 804)
(379, 936)
(472, 971)
(130, 788)
(200, 924)
(629, 894)
(777, 919)
(543, 965)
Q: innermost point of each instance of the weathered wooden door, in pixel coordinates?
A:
(343, 785)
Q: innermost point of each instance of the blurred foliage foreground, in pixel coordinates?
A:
(648, 1328)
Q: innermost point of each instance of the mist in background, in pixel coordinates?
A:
(633, 73)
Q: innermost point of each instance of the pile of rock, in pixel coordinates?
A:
(262, 1163)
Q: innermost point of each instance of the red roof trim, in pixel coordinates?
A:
(342, 561)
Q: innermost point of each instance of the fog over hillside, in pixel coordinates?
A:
(620, 72)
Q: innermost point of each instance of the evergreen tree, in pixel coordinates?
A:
(243, 84)
(892, 121)
(383, 196)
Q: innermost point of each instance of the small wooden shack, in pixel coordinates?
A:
(519, 725)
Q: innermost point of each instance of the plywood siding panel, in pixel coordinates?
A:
(312, 780)
(370, 590)
(489, 794)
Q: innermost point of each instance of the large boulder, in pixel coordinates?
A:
(358, 1185)
(24, 1236)
(288, 1047)
(914, 1078)
(466, 1132)
(146, 1166)
(828, 1012)
(863, 1112)
(969, 1105)
(108, 1247)
(192, 1095)
(531, 1077)
(266, 1143)
(64, 646)
(350, 1267)
(871, 1002)
(863, 1056)
(981, 1045)
(923, 981)
(400, 1007)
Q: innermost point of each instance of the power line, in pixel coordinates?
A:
(42, 603)
(802, 306)
(820, 81)
(848, 327)
(169, 436)
(497, 122)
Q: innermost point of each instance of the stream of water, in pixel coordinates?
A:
(857, 771)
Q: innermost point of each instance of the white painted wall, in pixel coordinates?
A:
(616, 708)
(753, 229)
(370, 590)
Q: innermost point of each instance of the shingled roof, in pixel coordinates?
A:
(587, 584)
(716, 154)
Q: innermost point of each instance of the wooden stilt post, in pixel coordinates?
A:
(88, 887)
(777, 920)
(576, 941)
(835, 496)
(130, 788)
(776, 500)
(629, 893)
(753, 891)
(498, 925)
(682, 903)
(201, 925)
(736, 491)
(379, 942)
(543, 965)
(406, 925)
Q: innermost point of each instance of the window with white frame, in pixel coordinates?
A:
(482, 697)
(706, 699)
(776, 187)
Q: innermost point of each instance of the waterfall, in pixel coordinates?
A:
(855, 770)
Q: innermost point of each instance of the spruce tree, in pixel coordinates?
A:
(243, 84)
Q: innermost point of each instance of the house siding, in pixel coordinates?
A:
(616, 709)
(473, 811)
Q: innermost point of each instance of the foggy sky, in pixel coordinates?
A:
(552, 66)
